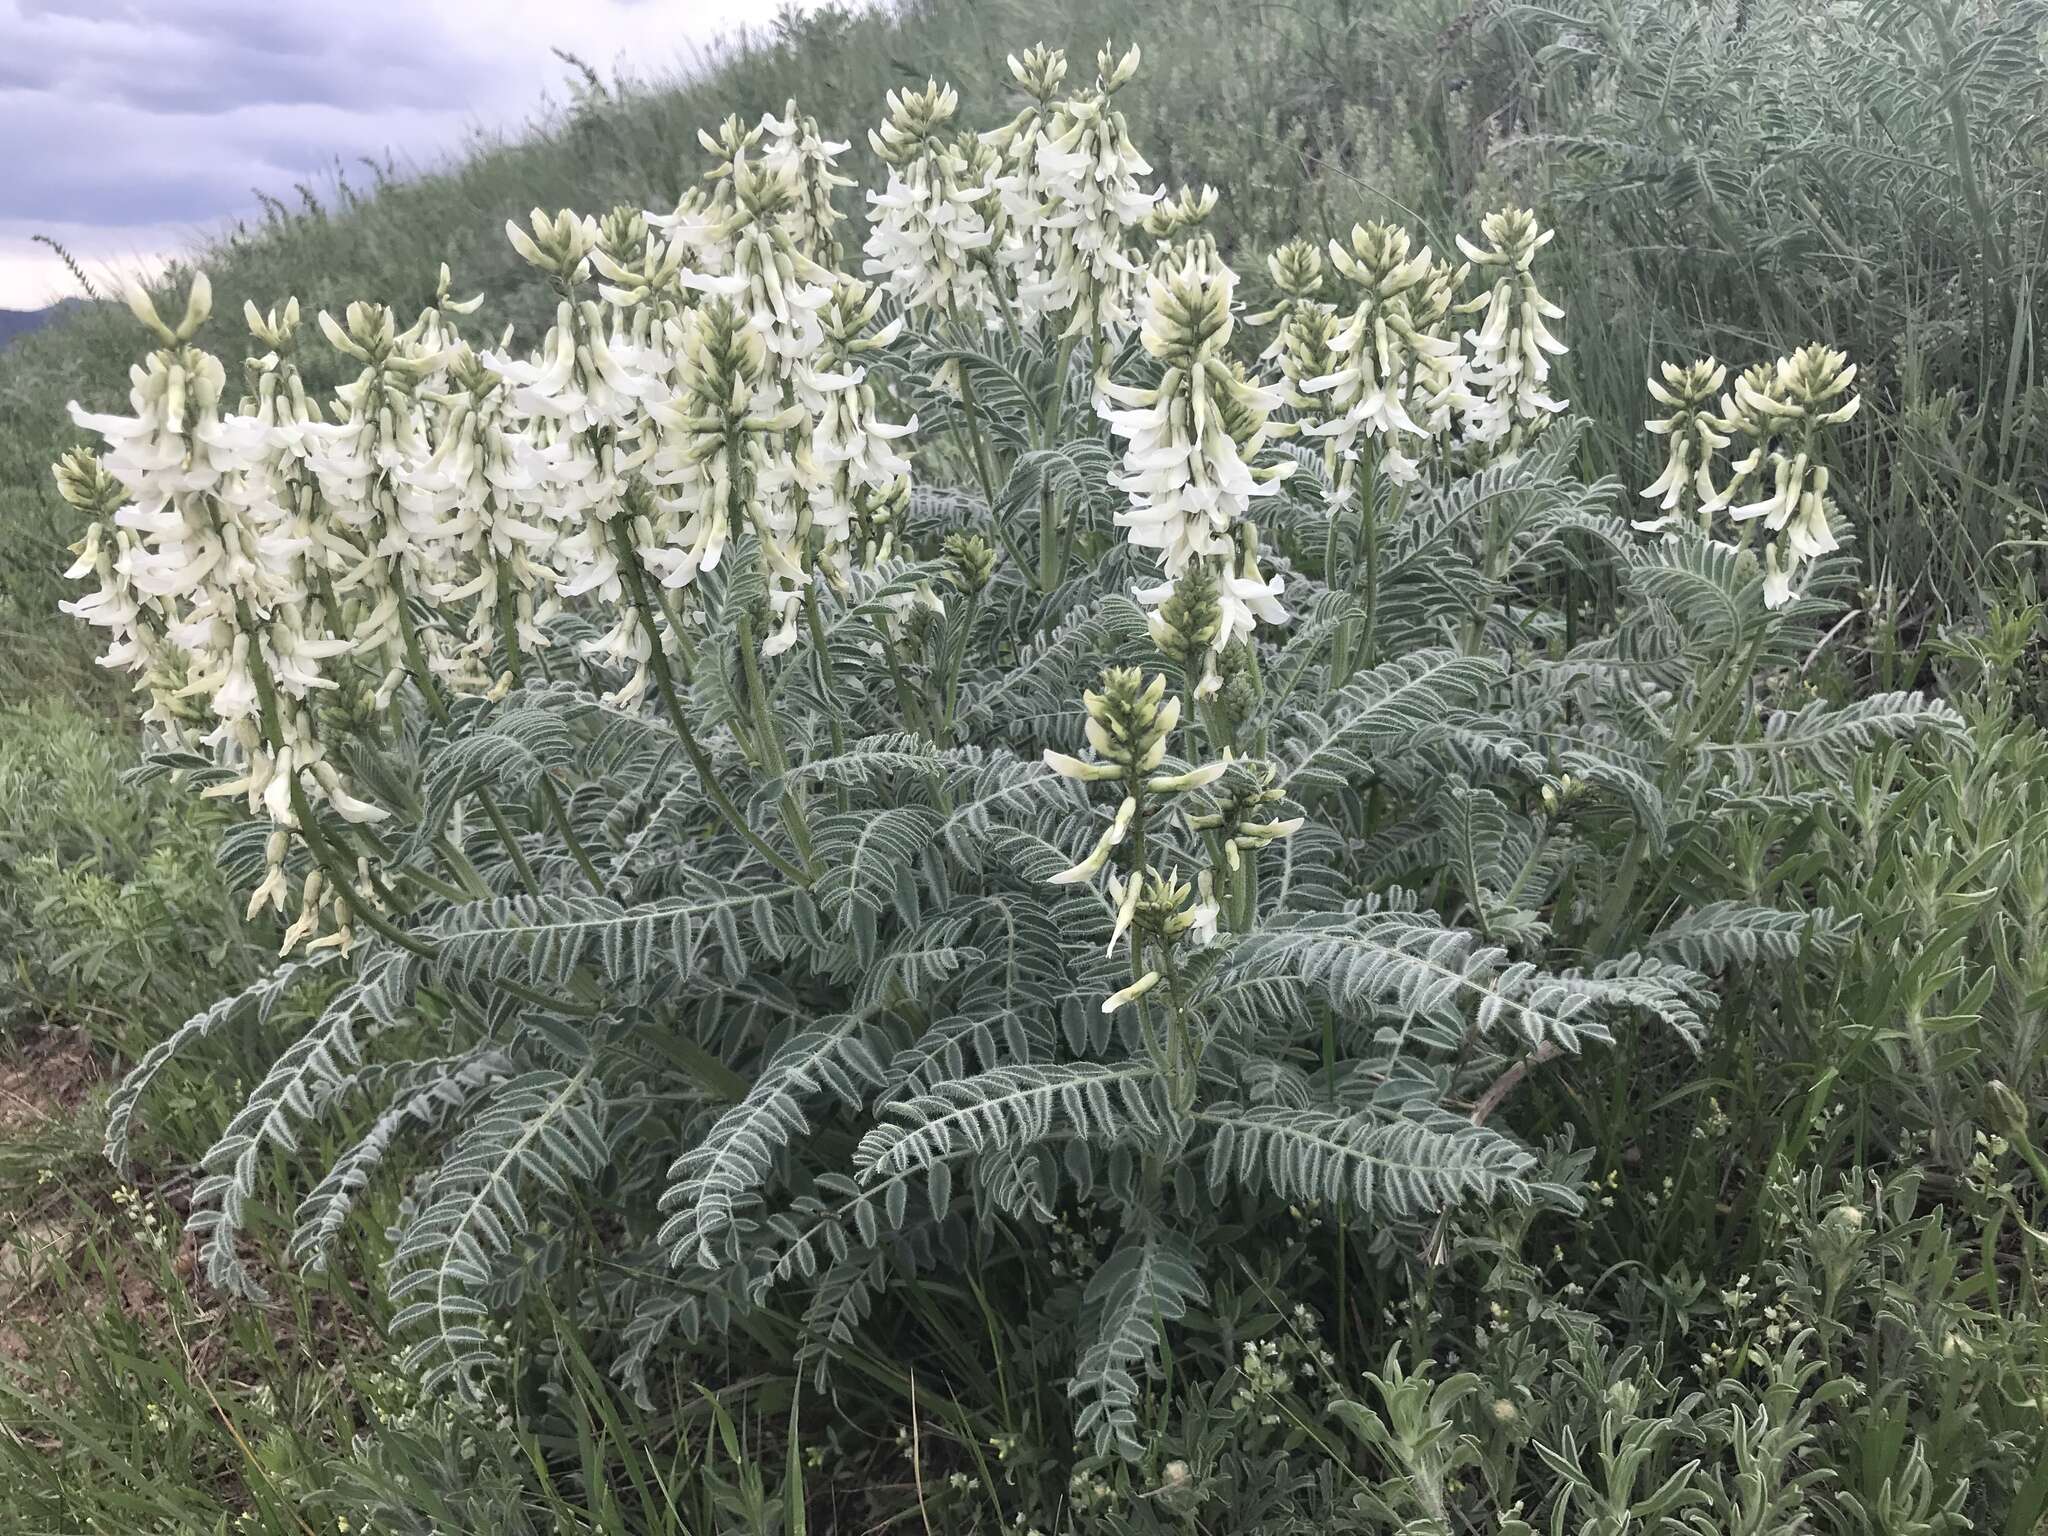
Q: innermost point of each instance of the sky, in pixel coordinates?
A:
(133, 127)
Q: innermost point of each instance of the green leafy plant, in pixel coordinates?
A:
(763, 882)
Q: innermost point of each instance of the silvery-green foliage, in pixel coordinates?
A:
(742, 904)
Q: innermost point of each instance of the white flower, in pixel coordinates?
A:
(1389, 353)
(849, 450)
(1692, 435)
(1132, 993)
(929, 237)
(722, 451)
(799, 153)
(1029, 240)
(1187, 466)
(1512, 348)
(1785, 410)
(1084, 180)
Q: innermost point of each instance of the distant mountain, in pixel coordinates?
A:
(19, 322)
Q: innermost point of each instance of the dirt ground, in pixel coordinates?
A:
(46, 1076)
(44, 1079)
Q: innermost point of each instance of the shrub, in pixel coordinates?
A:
(1212, 790)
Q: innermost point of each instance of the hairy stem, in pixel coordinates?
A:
(664, 687)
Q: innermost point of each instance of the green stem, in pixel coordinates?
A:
(956, 664)
(664, 687)
(1369, 531)
(1049, 526)
(1340, 1233)
(416, 656)
(508, 622)
(977, 440)
(339, 877)
(518, 856)
(1048, 540)
(434, 886)
(559, 815)
(473, 887)
(769, 741)
(914, 715)
(1623, 886)
(827, 682)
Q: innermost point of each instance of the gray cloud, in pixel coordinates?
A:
(127, 118)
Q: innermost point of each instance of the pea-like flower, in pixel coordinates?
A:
(1512, 346)
(797, 152)
(851, 448)
(723, 456)
(929, 231)
(1091, 173)
(1787, 415)
(1192, 439)
(1029, 240)
(1692, 435)
(1296, 270)
(1382, 346)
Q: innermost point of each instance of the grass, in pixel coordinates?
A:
(1735, 187)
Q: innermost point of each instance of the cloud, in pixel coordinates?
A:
(134, 125)
(32, 275)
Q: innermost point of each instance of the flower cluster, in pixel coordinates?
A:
(931, 240)
(1130, 723)
(1390, 349)
(1030, 241)
(702, 384)
(1192, 439)
(1692, 435)
(1781, 412)
(1386, 370)
(1512, 348)
(273, 576)
(206, 583)
(1092, 173)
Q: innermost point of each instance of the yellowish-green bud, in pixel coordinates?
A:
(1186, 624)
(86, 486)
(1130, 720)
(971, 560)
(1513, 237)
(1039, 73)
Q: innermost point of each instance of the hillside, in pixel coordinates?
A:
(1203, 920)
(19, 322)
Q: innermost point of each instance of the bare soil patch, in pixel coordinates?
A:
(45, 1077)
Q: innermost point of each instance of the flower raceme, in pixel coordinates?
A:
(1192, 439)
(1512, 347)
(1692, 435)
(930, 232)
(1092, 176)
(1030, 240)
(1130, 724)
(1782, 411)
(1390, 348)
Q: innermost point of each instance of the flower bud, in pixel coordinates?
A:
(86, 486)
(972, 561)
(1130, 720)
(1186, 624)
(1039, 73)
